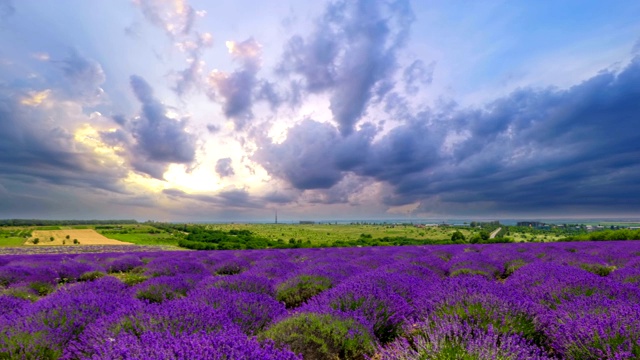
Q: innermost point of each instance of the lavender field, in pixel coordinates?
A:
(500, 301)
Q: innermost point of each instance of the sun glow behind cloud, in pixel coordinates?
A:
(392, 109)
(35, 98)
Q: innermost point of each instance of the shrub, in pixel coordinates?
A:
(132, 278)
(298, 290)
(91, 275)
(322, 336)
(598, 269)
(41, 288)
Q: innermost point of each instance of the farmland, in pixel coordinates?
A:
(70, 237)
(577, 300)
(326, 233)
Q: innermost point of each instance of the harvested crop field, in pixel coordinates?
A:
(66, 237)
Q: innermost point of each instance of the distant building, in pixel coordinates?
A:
(532, 224)
(303, 222)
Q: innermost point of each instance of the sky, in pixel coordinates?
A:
(195, 110)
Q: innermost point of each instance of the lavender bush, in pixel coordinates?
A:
(498, 301)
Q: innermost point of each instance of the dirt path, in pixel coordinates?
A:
(494, 233)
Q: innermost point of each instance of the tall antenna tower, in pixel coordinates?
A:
(276, 216)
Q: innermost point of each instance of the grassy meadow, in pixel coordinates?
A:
(318, 234)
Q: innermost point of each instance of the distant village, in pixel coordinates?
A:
(530, 224)
(544, 226)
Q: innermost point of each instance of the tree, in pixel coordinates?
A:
(457, 236)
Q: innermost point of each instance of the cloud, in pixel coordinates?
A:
(351, 54)
(174, 17)
(528, 152)
(192, 76)
(636, 48)
(85, 76)
(267, 92)
(417, 74)
(237, 88)
(313, 156)
(177, 18)
(213, 128)
(6, 9)
(224, 168)
(227, 198)
(39, 144)
(152, 140)
(540, 149)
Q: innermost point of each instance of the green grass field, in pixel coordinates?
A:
(11, 241)
(138, 234)
(325, 233)
(145, 239)
(316, 234)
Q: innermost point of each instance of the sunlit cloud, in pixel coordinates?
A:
(35, 98)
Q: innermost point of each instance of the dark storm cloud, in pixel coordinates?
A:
(224, 168)
(230, 198)
(281, 197)
(152, 140)
(160, 138)
(537, 149)
(35, 146)
(410, 148)
(237, 87)
(351, 54)
(532, 150)
(312, 156)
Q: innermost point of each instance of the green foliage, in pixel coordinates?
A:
(75, 241)
(501, 321)
(457, 236)
(607, 235)
(12, 241)
(91, 275)
(466, 271)
(298, 290)
(321, 337)
(511, 266)
(613, 344)
(21, 292)
(229, 269)
(142, 234)
(36, 241)
(131, 278)
(41, 288)
(27, 345)
(598, 269)
(158, 294)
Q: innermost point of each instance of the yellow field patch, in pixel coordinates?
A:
(66, 237)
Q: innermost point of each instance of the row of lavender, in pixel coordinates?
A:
(508, 301)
